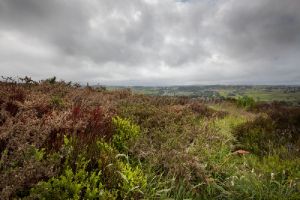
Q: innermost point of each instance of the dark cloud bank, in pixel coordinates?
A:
(152, 42)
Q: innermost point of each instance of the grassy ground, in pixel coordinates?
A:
(259, 93)
(274, 96)
(266, 96)
(60, 141)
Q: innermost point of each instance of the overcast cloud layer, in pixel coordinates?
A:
(152, 42)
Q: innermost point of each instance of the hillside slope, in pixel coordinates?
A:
(59, 141)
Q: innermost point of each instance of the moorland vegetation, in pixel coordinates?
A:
(60, 140)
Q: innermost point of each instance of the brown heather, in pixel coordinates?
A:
(187, 142)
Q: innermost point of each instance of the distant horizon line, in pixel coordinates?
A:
(197, 85)
(95, 83)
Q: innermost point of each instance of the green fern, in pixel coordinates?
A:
(125, 131)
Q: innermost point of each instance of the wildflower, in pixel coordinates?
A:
(272, 176)
(232, 182)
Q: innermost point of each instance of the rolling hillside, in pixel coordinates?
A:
(63, 141)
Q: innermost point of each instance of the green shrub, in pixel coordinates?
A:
(51, 80)
(77, 184)
(134, 181)
(57, 102)
(245, 101)
(125, 131)
(113, 178)
(108, 163)
(257, 136)
(118, 174)
(263, 136)
(38, 154)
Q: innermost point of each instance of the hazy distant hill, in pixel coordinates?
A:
(289, 94)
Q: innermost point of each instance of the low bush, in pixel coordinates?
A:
(57, 102)
(258, 136)
(12, 108)
(112, 178)
(51, 80)
(266, 134)
(77, 184)
(246, 102)
(125, 131)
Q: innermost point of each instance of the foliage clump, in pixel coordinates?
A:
(278, 129)
(125, 131)
(57, 102)
(246, 102)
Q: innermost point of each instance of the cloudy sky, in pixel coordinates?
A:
(152, 42)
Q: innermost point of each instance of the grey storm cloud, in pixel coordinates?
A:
(152, 42)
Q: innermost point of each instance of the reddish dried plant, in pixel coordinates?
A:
(17, 94)
(12, 108)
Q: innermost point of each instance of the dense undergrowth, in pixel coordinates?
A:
(62, 141)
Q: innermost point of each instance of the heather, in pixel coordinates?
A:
(60, 140)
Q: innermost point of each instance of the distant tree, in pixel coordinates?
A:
(51, 80)
(27, 80)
